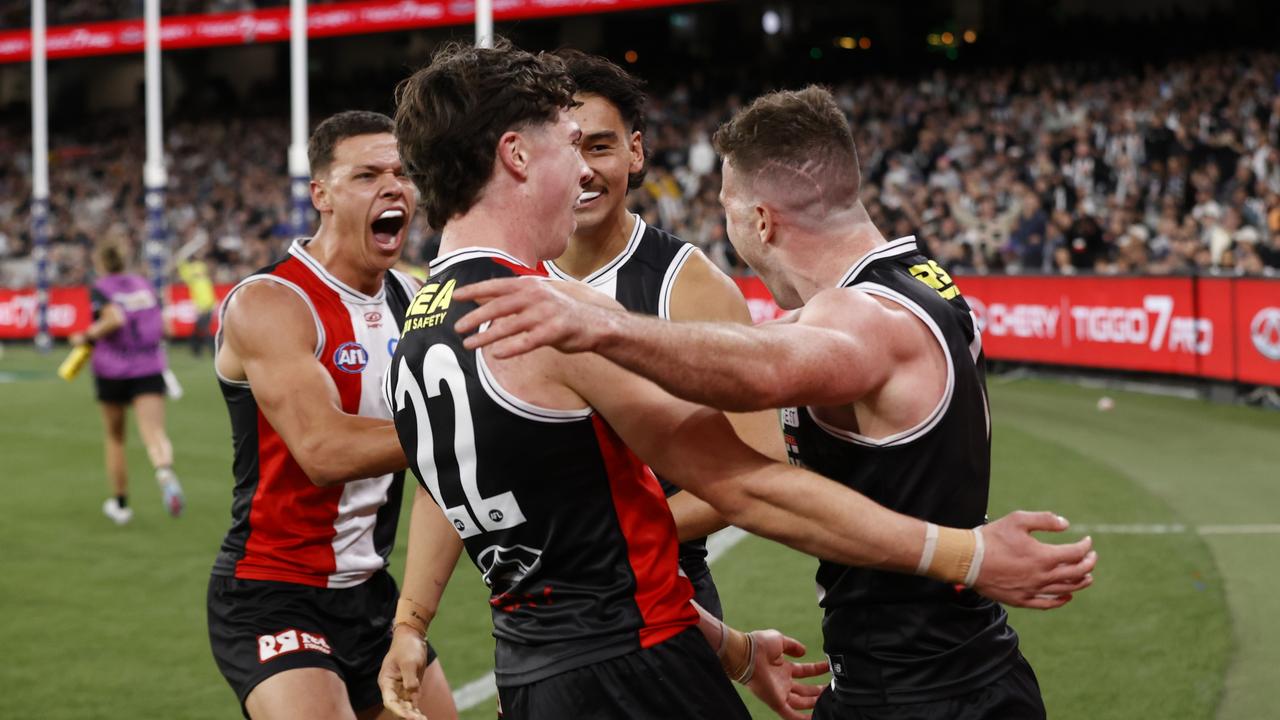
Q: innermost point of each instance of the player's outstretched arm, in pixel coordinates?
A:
(758, 660)
(702, 293)
(434, 548)
(695, 447)
(841, 346)
(269, 338)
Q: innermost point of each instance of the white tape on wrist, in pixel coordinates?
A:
(930, 545)
(975, 567)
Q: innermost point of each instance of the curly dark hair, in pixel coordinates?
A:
(595, 75)
(339, 127)
(800, 134)
(450, 115)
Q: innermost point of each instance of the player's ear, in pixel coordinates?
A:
(513, 153)
(637, 153)
(320, 197)
(766, 223)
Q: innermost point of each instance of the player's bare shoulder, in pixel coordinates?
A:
(263, 318)
(865, 318)
(702, 292)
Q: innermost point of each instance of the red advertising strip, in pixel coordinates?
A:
(1220, 328)
(272, 24)
(69, 311)
(1257, 331)
(759, 299)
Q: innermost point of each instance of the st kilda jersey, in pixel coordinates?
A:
(283, 527)
(569, 529)
(896, 638)
(640, 278)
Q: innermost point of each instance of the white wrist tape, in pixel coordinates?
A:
(975, 567)
(930, 546)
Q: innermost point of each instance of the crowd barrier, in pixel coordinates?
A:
(69, 311)
(1217, 328)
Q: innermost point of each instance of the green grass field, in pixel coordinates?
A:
(102, 621)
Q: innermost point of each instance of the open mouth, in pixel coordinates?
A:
(387, 227)
(587, 196)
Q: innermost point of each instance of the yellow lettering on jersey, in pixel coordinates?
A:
(935, 277)
(419, 323)
(422, 300)
(443, 299)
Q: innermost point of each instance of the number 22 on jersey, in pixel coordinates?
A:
(478, 514)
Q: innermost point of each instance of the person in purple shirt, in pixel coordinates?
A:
(128, 366)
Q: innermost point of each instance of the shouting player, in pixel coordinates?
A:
(300, 602)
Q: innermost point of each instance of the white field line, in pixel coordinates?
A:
(483, 688)
(1178, 528)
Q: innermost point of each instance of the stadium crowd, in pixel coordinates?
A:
(1041, 169)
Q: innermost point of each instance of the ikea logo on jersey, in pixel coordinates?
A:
(428, 307)
(350, 357)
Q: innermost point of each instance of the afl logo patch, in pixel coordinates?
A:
(350, 357)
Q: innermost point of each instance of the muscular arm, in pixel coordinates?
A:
(843, 345)
(702, 293)
(269, 339)
(696, 448)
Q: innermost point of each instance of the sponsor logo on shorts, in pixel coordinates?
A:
(350, 357)
(290, 641)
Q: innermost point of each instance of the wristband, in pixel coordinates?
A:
(738, 656)
(979, 551)
(950, 555)
(750, 670)
(413, 615)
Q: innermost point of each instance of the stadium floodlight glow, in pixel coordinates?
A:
(771, 21)
(864, 43)
(847, 43)
(948, 38)
(970, 36)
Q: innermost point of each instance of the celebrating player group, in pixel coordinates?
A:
(582, 399)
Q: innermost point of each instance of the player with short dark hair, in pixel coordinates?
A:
(646, 269)
(300, 603)
(530, 460)
(882, 380)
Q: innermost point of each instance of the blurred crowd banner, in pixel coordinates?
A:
(272, 24)
(1218, 328)
(69, 311)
